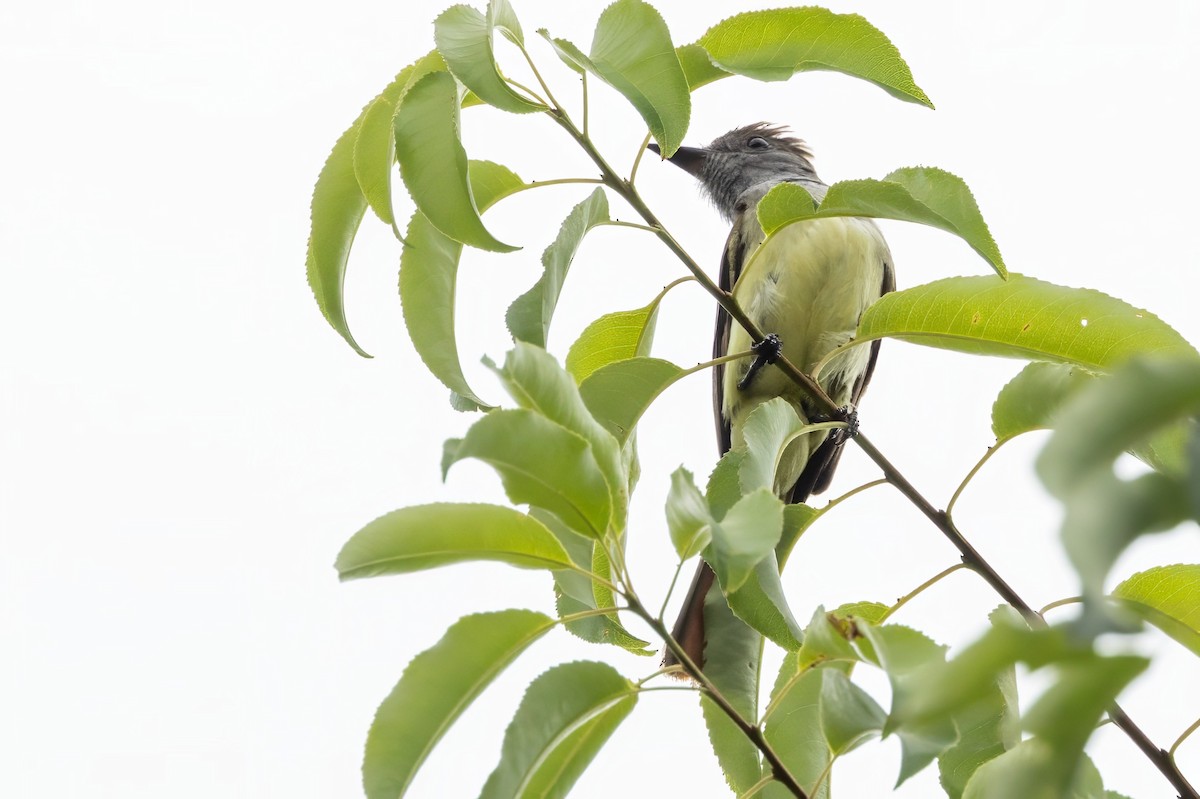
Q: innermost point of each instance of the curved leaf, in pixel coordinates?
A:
(542, 463)
(433, 163)
(1169, 598)
(1020, 318)
(464, 38)
(613, 337)
(427, 536)
(747, 534)
(338, 207)
(732, 652)
(375, 146)
(761, 603)
(529, 316)
(768, 431)
(437, 686)
(688, 519)
(849, 715)
(428, 281)
(793, 725)
(537, 382)
(1033, 399)
(619, 393)
(925, 195)
(632, 52)
(565, 718)
(776, 44)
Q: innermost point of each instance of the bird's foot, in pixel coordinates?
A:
(766, 352)
(847, 414)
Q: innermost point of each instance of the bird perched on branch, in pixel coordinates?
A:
(806, 288)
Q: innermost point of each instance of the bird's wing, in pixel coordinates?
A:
(732, 259)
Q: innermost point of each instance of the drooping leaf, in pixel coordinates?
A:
(1103, 512)
(575, 592)
(828, 638)
(619, 393)
(760, 602)
(768, 431)
(613, 337)
(747, 534)
(530, 314)
(536, 381)
(427, 536)
(632, 52)
(870, 612)
(688, 519)
(775, 44)
(732, 653)
(925, 195)
(437, 686)
(902, 653)
(793, 727)
(565, 718)
(1169, 598)
(849, 715)
(544, 464)
(796, 519)
(724, 487)
(1020, 318)
(375, 146)
(464, 38)
(433, 162)
(429, 276)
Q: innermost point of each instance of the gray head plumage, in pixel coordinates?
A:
(744, 158)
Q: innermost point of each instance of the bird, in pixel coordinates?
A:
(807, 288)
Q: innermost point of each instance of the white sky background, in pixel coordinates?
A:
(187, 444)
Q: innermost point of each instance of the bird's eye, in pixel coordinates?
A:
(758, 143)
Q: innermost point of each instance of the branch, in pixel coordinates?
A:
(968, 554)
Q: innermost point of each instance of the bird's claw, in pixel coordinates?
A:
(847, 414)
(766, 352)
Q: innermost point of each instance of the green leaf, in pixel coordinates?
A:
(437, 686)
(433, 163)
(760, 603)
(849, 716)
(796, 519)
(986, 729)
(613, 337)
(688, 519)
(429, 276)
(1105, 513)
(724, 487)
(793, 726)
(1030, 770)
(732, 653)
(464, 39)
(902, 652)
(544, 464)
(698, 68)
(633, 53)
(338, 207)
(1020, 318)
(1169, 598)
(776, 44)
(501, 17)
(427, 536)
(924, 195)
(1033, 399)
(747, 534)
(565, 718)
(535, 380)
(870, 612)
(619, 393)
(575, 592)
(375, 146)
(529, 316)
(768, 432)
(827, 638)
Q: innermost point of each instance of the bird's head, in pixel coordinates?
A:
(743, 158)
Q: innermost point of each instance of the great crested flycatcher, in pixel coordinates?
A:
(807, 287)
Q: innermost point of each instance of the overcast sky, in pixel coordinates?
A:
(186, 444)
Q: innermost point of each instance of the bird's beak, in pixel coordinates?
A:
(689, 159)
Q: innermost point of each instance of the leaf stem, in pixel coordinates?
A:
(585, 104)
(587, 614)
(670, 590)
(1183, 737)
(1058, 603)
(766, 780)
(634, 225)
(537, 184)
(970, 475)
(553, 104)
(637, 159)
(904, 600)
(752, 732)
(533, 96)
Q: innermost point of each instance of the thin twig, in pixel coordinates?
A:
(1183, 737)
(904, 600)
(971, 474)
